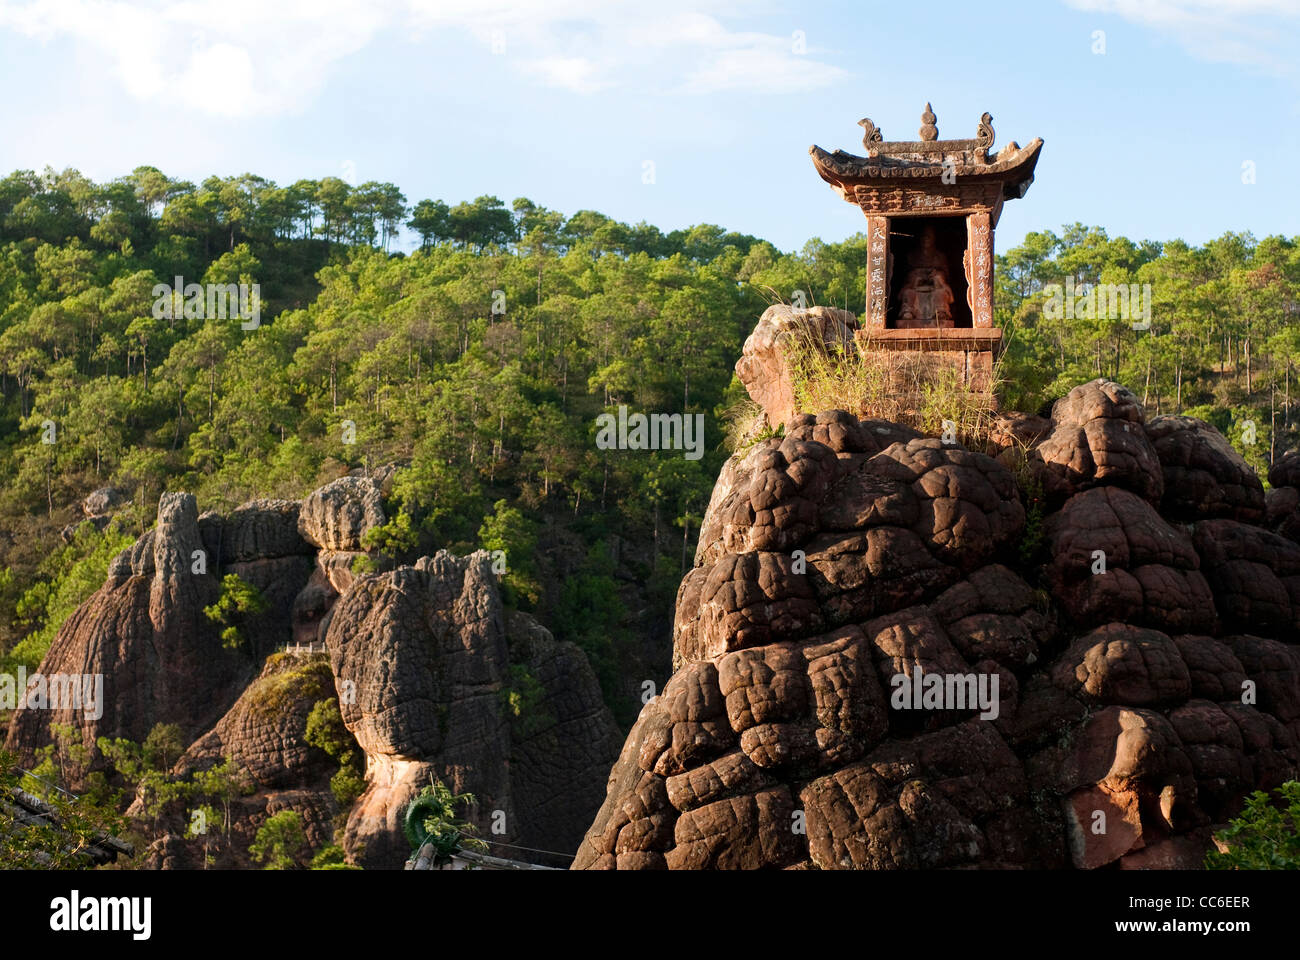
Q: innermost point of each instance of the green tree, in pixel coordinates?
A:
(1265, 837)
(238, 604)
(280, 841)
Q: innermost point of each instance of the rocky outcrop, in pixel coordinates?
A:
(872, 670)
(338, 515)
(764, 366)
(103, 501)
(1098, 439)
(1282, 505)
(433, 677)
(1204, 477)
(265, 734)
(429, 688)
(144, 633)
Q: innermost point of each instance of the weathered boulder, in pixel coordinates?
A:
(104, 500)
(264, 733)
(422, 652)
(1204, 477)
(1114, 558)
(1255, 576)
(338, 515)
(261, 530)
(1285, 472)
(1018, 431)
(1098, 439)
(765, 366)
(1282, 512)
(1120, 664)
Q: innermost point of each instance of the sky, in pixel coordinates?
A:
(1161, 118)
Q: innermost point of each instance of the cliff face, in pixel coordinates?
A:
(894, 652)
(427, 653)
(432, 676)
(145, 632)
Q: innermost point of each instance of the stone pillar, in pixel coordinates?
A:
(979, 269)
(877, 273)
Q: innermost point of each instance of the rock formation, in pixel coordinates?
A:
(424, 655)
(433, 677)
(765, 364)
(1112, 623)
(265, 734)
(145, 633)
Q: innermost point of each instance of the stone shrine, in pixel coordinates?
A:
(931, 208)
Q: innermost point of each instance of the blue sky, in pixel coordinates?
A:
(566, 101)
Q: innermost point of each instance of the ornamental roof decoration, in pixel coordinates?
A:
(929, 158)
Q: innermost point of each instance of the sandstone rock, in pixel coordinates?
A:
(1282, 512)
(1213, 669)
(1115, 559)
(338, 515)
(1120, 664)
(1275, 670)
(103, 501)
(1255, 576)
(923, 804)
(995, 614)
(145, 634)
(262, 530)
(764, 364)
(743, 600)
(1285, 472)
(1213, 742)
(264, 733)
(1183, 852)
(1097, 439)
(1203, 476)
(831, 563)
(425, 652)
(1018, 431)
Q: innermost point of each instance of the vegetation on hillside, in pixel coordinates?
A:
(481, 361)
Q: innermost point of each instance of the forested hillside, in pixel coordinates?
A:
(481, 361)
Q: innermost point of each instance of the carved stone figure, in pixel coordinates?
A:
(926, 297)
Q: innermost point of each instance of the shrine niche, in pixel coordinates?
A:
(931, 207)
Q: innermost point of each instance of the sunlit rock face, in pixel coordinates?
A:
(894, 652)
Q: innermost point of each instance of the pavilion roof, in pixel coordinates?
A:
(929, 159)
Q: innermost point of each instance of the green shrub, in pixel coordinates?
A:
(279, 841)
(239, 602)
(1265, 837)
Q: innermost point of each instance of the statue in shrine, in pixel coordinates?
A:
(926, 297)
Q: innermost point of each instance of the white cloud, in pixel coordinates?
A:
(245, 58)
(577, 74)
(1256, 33)
(762, 69)
(226, 57)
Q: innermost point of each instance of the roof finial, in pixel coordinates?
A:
(928, 130)
(872, 136)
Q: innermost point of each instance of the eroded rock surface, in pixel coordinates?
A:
(425, 656)
(432, 676)
(1144, 658)
(764, 365)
